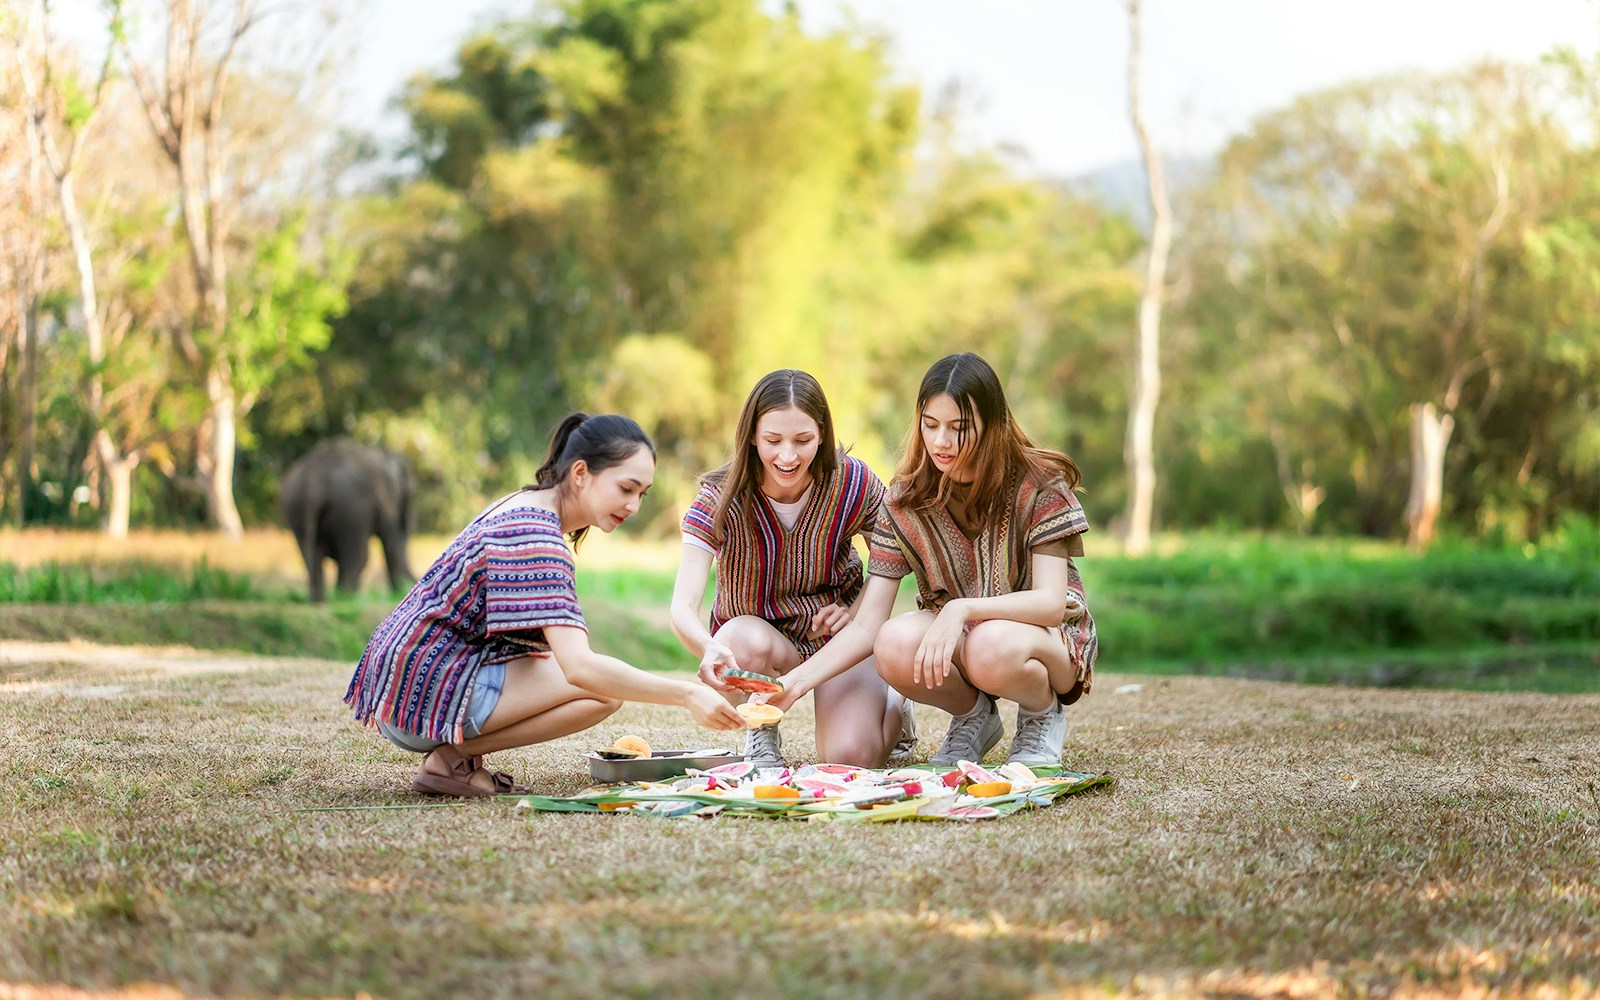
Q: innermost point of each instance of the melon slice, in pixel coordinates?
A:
(633, 746)
(758, 715)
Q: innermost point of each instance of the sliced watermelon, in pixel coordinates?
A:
(972, 812)
(733, 772)
(845, 769)
(825, 785)
(746, 680)
(974, 773)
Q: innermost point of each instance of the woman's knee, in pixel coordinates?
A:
(850, 748)
(896, 647)
(995, 651)
(754, 644)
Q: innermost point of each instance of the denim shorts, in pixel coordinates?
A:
(486, 688)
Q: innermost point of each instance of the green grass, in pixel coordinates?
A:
(1492, 618)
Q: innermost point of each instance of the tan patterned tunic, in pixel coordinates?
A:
(949, 563)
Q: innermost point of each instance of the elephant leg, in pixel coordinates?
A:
(313, 555)
(351, 555)
(394, 559)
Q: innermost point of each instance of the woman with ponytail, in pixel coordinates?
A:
(490, 651)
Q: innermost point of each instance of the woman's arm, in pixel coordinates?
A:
(852, 645)
(688, 593)
(1045, 604)
(609, 676)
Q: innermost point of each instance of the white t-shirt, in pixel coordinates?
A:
(788, 514)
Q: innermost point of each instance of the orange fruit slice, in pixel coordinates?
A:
(988, 789)
(776, 792)
(631, 745)
(756, 716)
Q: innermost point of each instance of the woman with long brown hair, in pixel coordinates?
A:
(778, 520)
(988, 524)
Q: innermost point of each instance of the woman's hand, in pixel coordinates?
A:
(936, 655)
(712, 710)
(829, 619)
(795, 687)
(713, 662)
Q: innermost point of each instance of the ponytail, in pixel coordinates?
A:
(600, 441)
(547, 476)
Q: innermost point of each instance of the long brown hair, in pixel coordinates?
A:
(1001, 456)
(740, 477)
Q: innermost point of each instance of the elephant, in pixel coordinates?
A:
(338, 495)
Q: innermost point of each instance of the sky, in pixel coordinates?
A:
(1049, 77)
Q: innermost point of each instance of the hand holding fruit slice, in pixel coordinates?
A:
(633, 746)
(758, 715)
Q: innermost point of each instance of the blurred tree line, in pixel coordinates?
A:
(644, 205)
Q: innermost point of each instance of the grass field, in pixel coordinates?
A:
(1284, 609)
(160, 838)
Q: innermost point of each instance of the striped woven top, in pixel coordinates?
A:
(487, 599)
(997, 560)
(786, 575)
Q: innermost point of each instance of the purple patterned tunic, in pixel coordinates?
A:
(487, 599)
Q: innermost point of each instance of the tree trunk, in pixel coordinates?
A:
(1430, 436)
(119, 486)
(220, 448)
(1139, 450)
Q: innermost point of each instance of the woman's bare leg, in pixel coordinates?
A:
(536, 705)
(896, 651)
(854, 722)
(1018, 662)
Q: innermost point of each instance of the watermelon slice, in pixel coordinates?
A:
(732, 772)
(974, 773)
(972, 812)
(754, 683)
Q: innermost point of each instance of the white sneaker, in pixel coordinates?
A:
(972, 735)
(904, 751)
(764, 747)
(1039, 737)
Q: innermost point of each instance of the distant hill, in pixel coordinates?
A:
(1121, 186)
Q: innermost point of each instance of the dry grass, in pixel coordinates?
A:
(1262, 841)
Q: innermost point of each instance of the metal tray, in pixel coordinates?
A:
(656, 767)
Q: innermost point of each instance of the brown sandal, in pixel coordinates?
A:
(455, 780)
(504, 784)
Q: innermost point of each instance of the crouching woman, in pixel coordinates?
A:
(490, 651)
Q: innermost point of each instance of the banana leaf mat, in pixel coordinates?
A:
(832, 792)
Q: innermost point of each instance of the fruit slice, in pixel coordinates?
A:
(757, 715)
(973, 772)
(634, 746)
(988, 789)
(755, 683)
(734, 771)
(776, 792)
(972, 812)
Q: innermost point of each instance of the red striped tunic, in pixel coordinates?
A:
(487, 599)
(785, 575)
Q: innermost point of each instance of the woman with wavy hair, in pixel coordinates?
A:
(778, 521)
(988, 524)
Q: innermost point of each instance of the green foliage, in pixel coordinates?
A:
(133, 583)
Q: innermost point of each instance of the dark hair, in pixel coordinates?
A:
(740, 476)
(601, 442)
(1001, 456)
